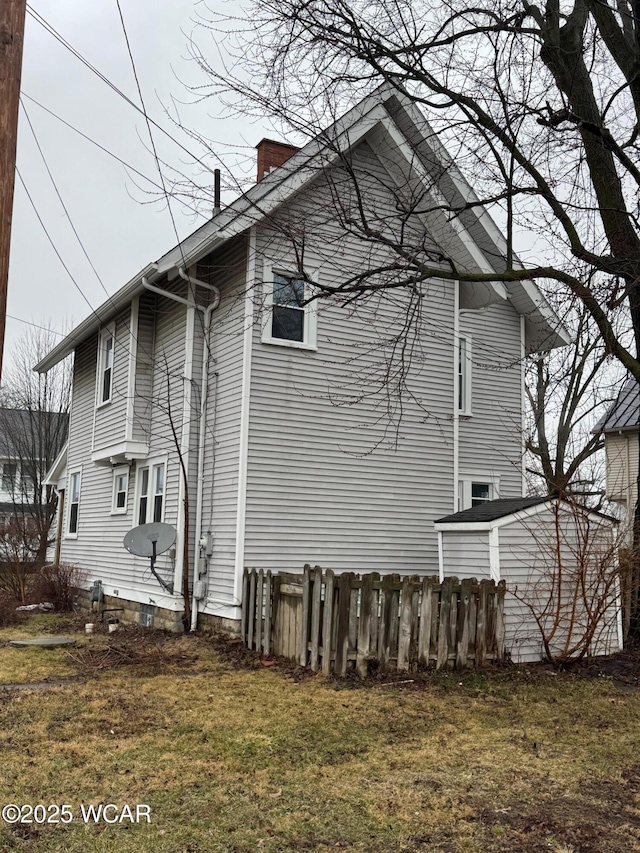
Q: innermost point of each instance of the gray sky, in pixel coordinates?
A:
(120, 234)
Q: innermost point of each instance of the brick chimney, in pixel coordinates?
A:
(272, 154)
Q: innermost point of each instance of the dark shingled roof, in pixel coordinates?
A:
(625, 412)
(490, 510)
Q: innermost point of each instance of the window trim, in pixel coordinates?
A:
(109, 331)
(310, 324)
(150, 463)
(119, 471)
(464, 374)
(69, 504)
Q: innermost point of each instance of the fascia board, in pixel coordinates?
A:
(59, 465)
(101, 315)
(533, 295)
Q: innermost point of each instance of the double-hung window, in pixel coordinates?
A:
(74, 503)
(289, 319)
(106, 346)
(463, 390)
(120, 490)
(150, 492)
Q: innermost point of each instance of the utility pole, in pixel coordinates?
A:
(12, 15)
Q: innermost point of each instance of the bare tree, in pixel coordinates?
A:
(33, 430)
(568, 391)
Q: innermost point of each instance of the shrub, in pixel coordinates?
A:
(60, 584)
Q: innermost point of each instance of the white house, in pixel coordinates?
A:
(211, 376)
(620, 427)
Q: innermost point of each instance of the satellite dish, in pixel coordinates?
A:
(149, 540)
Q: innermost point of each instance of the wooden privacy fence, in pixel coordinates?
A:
(330, 622)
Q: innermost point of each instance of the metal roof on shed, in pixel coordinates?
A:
(625, 412)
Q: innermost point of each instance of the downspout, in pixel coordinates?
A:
(204, 396)
(207, 313)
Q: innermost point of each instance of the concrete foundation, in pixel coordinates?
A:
(134, 613)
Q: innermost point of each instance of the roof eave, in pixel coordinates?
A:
(96, 319)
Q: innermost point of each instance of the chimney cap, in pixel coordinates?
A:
(268, 141)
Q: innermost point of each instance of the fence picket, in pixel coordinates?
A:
(267, 614)
(327, 623)
(303, 627)
(364, 628)
(404, 627)
(443, 627)
(342, 641)
(245, 605)
(251, 618)
(259, 593)
(424, 636)
(316, 601)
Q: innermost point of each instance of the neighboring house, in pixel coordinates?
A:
(209, 377)
(30, 439)
(620, 428)
(25, 457)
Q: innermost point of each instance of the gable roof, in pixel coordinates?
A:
(23, 427)
(624, 415)
(411, 134)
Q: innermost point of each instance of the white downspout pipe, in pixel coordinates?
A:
(204, 397)
(207, 313)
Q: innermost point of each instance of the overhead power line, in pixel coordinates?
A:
(111, 154)
(36, 325)
(142, 110)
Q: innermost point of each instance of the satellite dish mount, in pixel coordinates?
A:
(151, 540)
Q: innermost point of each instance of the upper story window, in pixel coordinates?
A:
(464, 375)
(9, 474)
(106, 345)
(289, 320)
(74, 503)
(150, 492)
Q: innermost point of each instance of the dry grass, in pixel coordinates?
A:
(237, 760)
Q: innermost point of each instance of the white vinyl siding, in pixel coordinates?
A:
(491, 440)
(110, 562)
(331, 479)
(227, 268)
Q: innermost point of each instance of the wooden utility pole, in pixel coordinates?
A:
(12, 15)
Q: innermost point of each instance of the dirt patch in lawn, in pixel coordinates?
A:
(602, 810)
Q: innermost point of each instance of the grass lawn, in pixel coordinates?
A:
(237, 757)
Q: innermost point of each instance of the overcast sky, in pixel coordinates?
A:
(120, 234)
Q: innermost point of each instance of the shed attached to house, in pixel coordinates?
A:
(559, 564)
